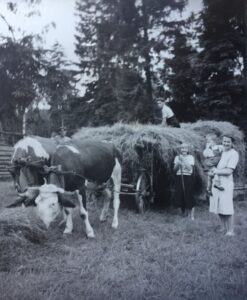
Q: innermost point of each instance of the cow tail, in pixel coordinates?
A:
(118, 155)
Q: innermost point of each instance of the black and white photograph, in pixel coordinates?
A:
(123, 128)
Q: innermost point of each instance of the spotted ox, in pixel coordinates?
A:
(30, 155)
(73, 165)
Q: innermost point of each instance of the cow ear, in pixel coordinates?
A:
(37, 200)
(31, 195)
(66, 199)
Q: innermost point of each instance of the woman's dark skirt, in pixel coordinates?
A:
(184, 192)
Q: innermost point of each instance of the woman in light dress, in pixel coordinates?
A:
(221, 201)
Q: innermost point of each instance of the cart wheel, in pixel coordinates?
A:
(143, 195)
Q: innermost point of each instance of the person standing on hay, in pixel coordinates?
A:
(221, 201)
(168, 116)
(212, 154)
(62, 137)
(184, 194)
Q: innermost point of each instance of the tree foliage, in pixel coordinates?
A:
(19, 69)
(28, 75)
(122, 48)
(116, 47)
(219, 69)
(180, 77)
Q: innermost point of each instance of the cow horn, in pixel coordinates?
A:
(18, 202)
(27, 198)
(24, 194)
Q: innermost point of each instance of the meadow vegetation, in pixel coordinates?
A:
(157, 255)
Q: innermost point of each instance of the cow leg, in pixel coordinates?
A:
(84, 197)
(116, 177)
(64, 218)
(69, 222)
(107, 198)
(84, 216)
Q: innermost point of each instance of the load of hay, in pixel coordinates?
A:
(18, 228)
(153, 145)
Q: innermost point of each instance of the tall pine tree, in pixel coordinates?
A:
(115, 43)
(180, 75)
(220, 69)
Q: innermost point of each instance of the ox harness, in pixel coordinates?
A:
(28, 169)
(91, 186)
(41, 167)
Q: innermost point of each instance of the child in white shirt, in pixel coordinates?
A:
(212, 154)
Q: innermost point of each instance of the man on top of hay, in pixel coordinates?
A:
(168, 116)
(61, 137)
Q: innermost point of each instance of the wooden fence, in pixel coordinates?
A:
(7, 140)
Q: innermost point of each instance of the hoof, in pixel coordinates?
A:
(114, 225)
(103, 217)
(229, 233)
(66, 231)
(90, 235)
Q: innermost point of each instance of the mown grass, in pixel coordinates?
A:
(158, 255)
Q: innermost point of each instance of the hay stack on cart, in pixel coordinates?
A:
(153, 148)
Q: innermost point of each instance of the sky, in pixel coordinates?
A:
(61, 12)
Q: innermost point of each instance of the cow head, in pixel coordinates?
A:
(25, 173)
(30, 155)
(48, 200)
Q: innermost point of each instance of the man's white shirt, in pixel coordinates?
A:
(167, 113)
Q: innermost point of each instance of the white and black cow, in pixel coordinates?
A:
(31, 153)
(73, 165)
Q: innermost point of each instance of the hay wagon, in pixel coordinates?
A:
(139, 184)
(148, 153)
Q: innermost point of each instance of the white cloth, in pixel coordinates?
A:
(187, 159)
(209, 150)
(221, 202)
(167, 112)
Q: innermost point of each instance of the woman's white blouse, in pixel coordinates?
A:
(229, 159)
(184, 170)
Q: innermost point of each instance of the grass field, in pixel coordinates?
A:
(158, 255)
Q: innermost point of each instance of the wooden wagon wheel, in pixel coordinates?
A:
(144, 195)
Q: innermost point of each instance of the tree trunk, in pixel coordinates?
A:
(146, 54)
(24, 121)
(245, 66)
